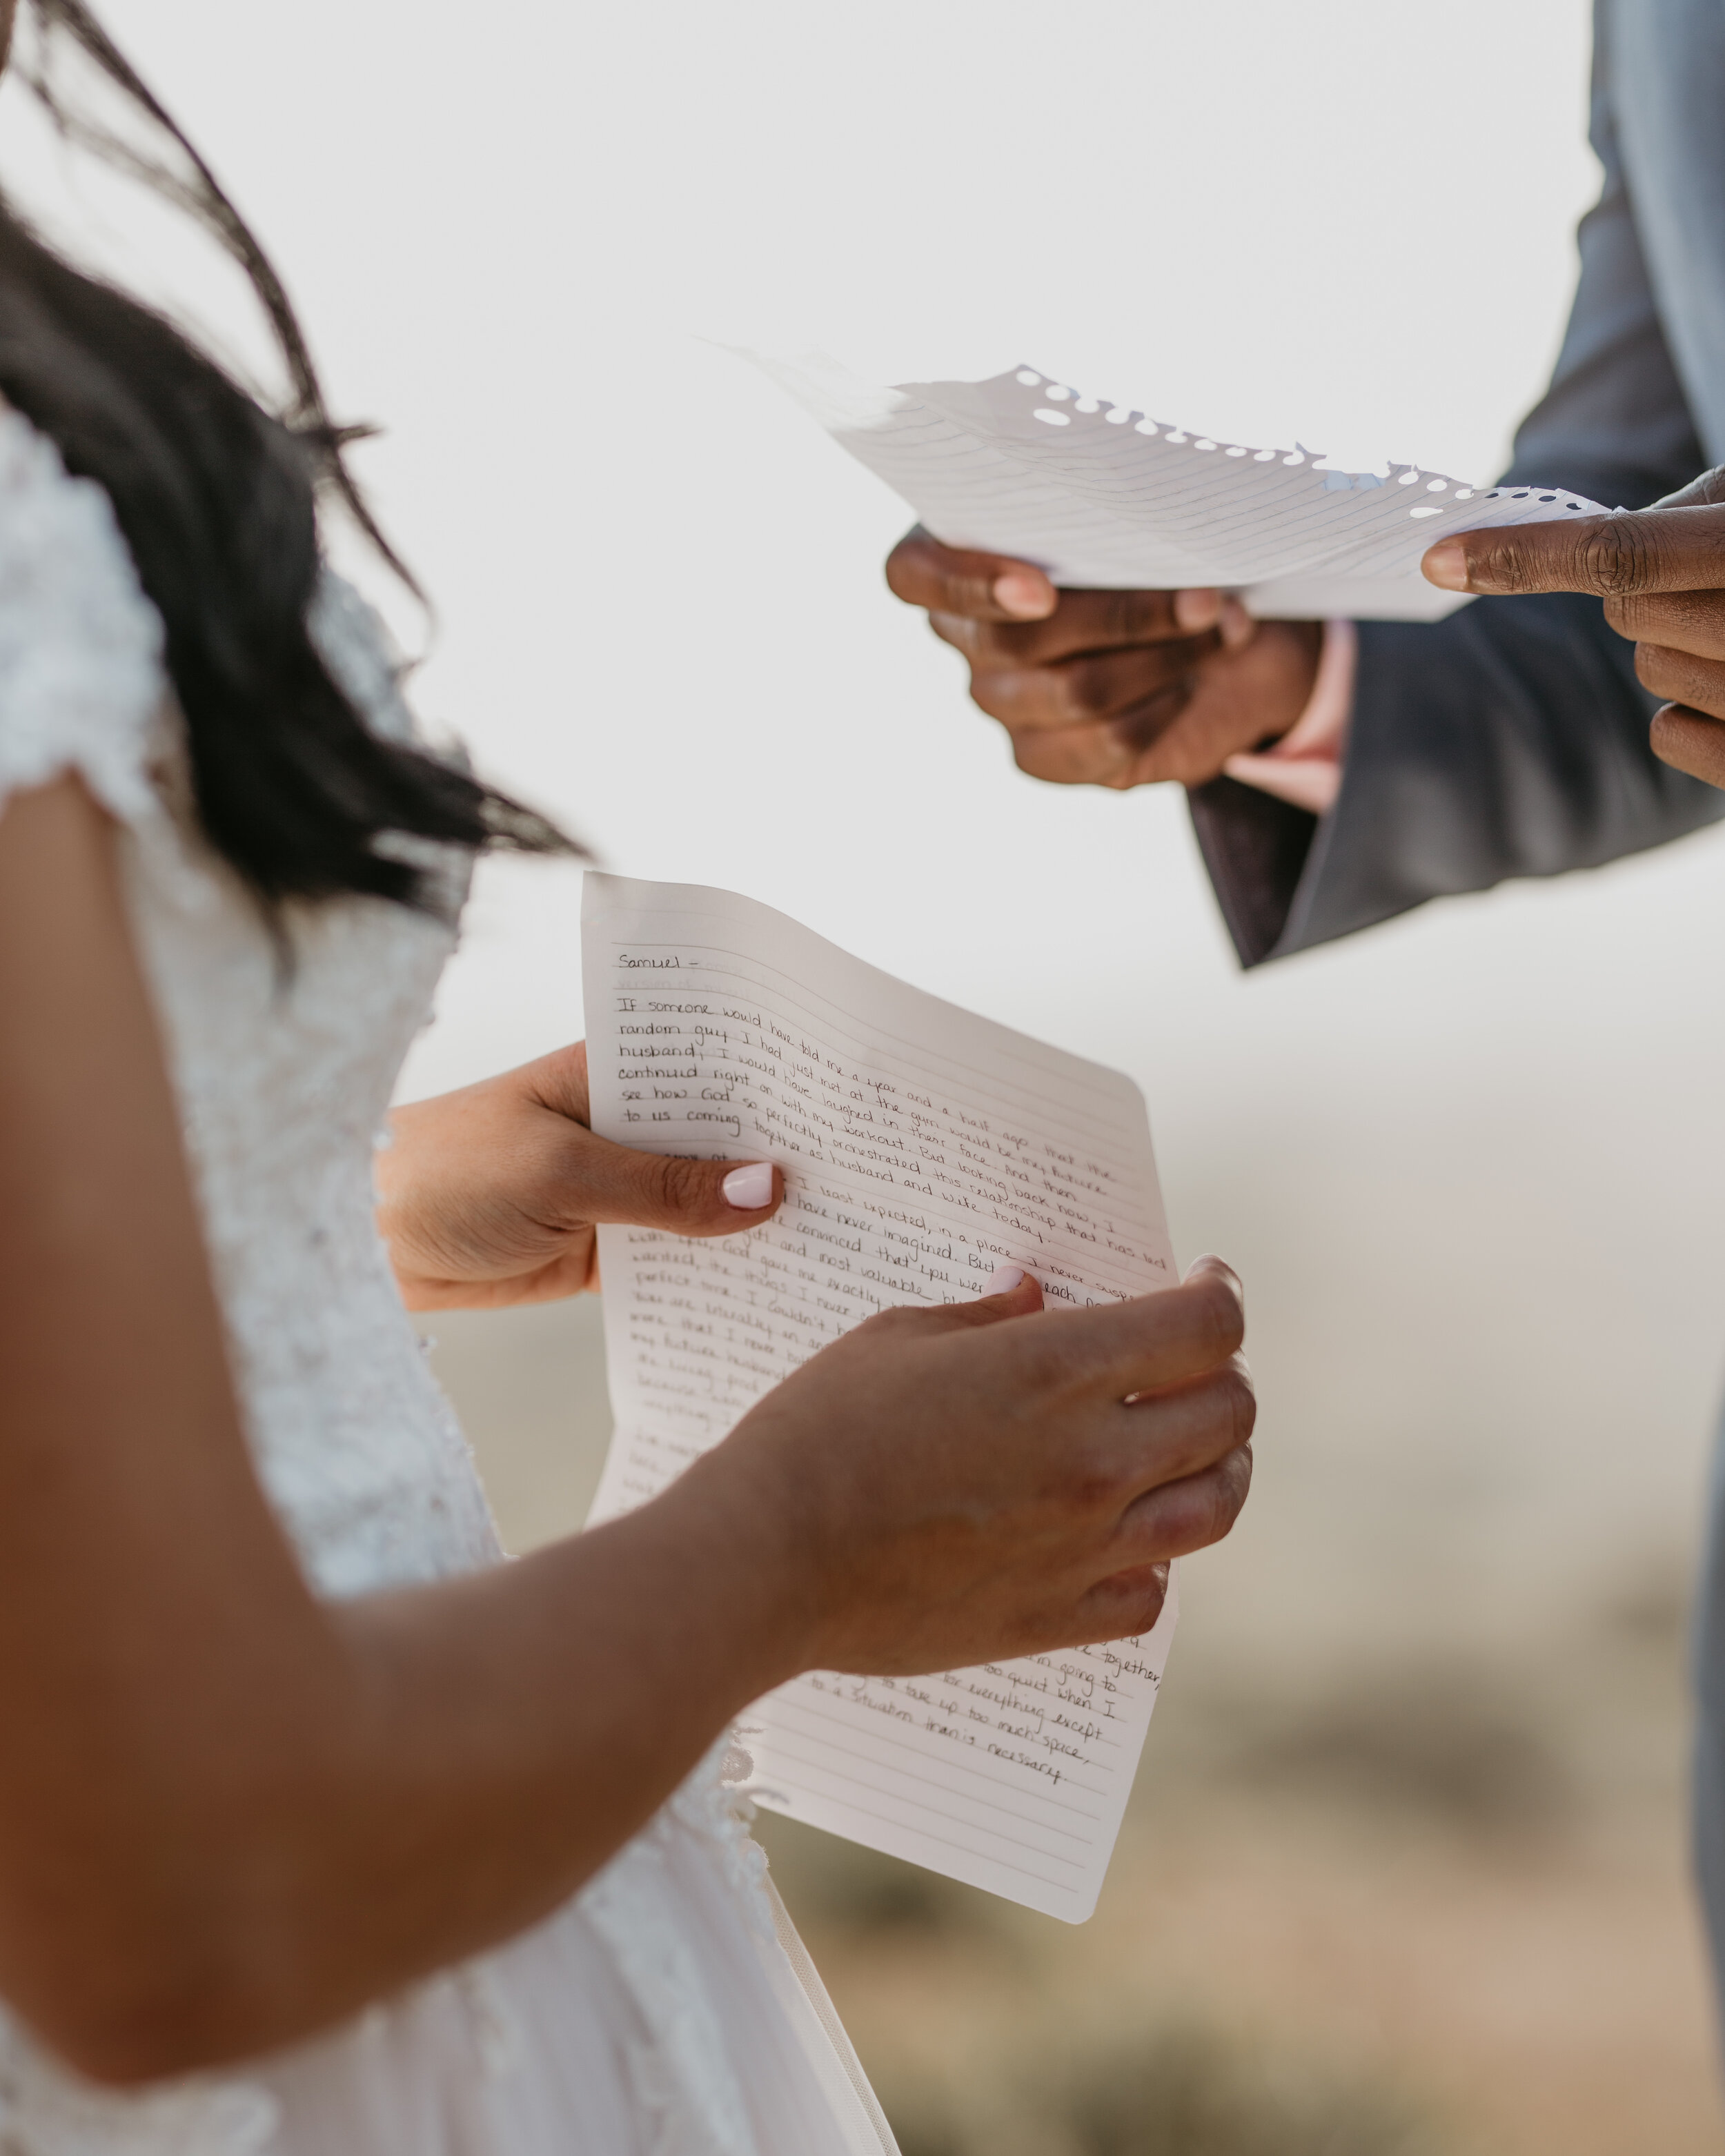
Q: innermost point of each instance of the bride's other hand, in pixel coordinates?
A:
(491, 1195)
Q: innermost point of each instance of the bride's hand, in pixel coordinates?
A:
(490, 1195)
(942, 1487)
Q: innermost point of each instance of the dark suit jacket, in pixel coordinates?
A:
(1511, 739)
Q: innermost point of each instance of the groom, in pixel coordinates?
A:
(1337, 777)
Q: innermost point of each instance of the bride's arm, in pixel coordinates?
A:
(231, 1813)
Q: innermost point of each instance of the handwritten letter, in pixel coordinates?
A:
(1102, 494)
(922, 1147)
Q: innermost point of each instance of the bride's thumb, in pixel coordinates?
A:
(685, 1197)
(1009, 1292)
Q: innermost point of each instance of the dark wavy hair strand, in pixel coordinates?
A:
(218, 501)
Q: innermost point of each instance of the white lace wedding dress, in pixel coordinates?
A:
(662, 2012)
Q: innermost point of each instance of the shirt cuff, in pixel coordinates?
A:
(1304, 767)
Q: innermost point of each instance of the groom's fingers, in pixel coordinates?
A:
(1688, 741)
(1680, 621)
(999, 612)
(1651, 550)
(963, 581)
(1679, 677)
(1662, 574)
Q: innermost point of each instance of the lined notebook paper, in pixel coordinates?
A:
(922, 1147)
(1103, 495)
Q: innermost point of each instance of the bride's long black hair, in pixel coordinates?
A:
(218, 501)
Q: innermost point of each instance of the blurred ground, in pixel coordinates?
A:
(1404, 1874)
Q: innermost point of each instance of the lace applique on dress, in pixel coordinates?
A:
(80, 646)
(711, 1806)
(682, 2077)
(45, 2112)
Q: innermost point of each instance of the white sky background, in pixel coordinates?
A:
(1447, 1157)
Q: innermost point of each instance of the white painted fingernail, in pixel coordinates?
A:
(1004, 1280)
(749, 1189)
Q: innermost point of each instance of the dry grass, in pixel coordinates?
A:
(1180, 2091)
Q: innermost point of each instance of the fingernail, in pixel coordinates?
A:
(1194, 610)
(749, 1189)
(1237, 624)
(1004, 1280)
(1445, 565)
(1017, 590)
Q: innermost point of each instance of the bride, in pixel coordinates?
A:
(322, 1829)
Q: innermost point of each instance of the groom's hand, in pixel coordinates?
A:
(493, 1195)
(1109, 688)
(1662, 574)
